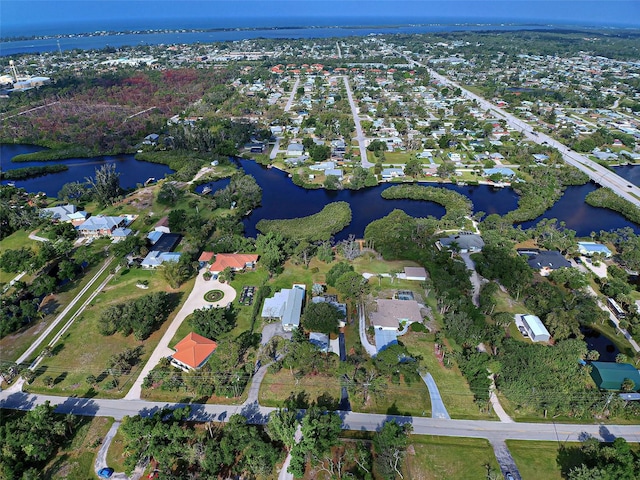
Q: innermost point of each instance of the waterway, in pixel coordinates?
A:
(283, 199)
(132, 172)
(99, 41)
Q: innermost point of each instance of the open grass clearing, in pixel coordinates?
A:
(276, 388)
(448, 458)
(454, 389)
(370, 263)
(540, 459)
(409, 399)
(183, 396)
(14, 345)
(83, 350)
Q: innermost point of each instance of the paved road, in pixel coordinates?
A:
(194, 301)
(275, 149)
(493, 431)
(356, 120)
(438, 410)
(292, 97)
(362, 330)
(25, 356)
(505, 460)
(596, 172)
(476, 280)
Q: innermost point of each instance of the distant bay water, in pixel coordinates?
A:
(99, 39)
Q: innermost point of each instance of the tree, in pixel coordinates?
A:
(352, 285)
(331, 182)
(169, 193)
(413, 167)
(321, 317)
(213, 322)
(105, 185)
(336, 272)
(320, 432)
(176, 273)
(282, 427)
(390, 445)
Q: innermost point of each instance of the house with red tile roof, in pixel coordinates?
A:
(192, 352)
(235, 261)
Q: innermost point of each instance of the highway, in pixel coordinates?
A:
(493, 431)
(596, 172)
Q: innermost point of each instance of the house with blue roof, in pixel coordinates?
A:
(590, 248)
(504, 171)
(154, 259)
(101, 226)
(286, 306)
(65, 213)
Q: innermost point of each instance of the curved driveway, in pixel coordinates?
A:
(195, 301)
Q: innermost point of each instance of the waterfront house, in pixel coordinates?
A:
(65, 213)
(295, 150)
(591, 248)
(389, 173)
(101, 226)
(235, 261)
(465, 242)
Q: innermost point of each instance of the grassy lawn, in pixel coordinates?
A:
(115, 454)
(13, 242)
(368, 263)
(540, 459)
(442, 458)
(403, 399)
(182, 396)
(276, 388)
(75, 461)
(83, 350)
(397, 157)
(454, 389)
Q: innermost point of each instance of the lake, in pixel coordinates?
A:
(282, 199)
(132, 171)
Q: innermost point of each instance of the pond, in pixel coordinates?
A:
(596, 341)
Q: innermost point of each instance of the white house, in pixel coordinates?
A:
(534, 327)
(286, 306)
(591, 248)
(295, 150)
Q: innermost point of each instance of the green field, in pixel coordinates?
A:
(276, 388)
(15, 241)
(83, 350)
(540, 459)
(448, 458)
(454, 389)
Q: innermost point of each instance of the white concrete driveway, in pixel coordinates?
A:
(194, 302)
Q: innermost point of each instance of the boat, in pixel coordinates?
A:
(206, 190)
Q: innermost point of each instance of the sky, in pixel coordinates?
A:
(31, 17)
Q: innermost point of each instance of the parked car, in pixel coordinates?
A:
(105, 472)
(508, 476)
(523, 331)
